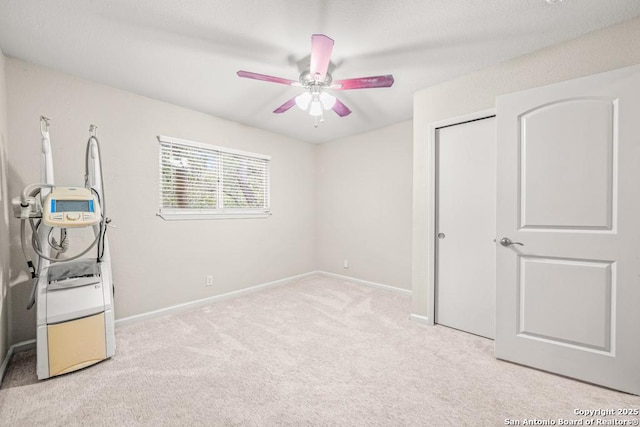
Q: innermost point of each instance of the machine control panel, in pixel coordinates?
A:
(71, 207)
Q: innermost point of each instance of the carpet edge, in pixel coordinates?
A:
(13, 349)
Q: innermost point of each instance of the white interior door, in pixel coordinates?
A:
(568, 300)
(465, 224)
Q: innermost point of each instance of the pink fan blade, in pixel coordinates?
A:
(264, 77)
(284, 107)
(321, 47)
(341, 109)
(365, 82)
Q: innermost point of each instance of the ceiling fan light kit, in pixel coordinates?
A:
(317, 80)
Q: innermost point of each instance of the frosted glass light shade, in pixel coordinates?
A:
(328, 101)
(316, 108)
(303, 100)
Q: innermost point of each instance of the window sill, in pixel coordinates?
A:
(181, 216)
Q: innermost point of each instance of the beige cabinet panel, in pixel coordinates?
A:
(76, 344)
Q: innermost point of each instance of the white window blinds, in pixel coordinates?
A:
(203, 181)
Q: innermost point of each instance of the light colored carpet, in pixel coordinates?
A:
(319, 351)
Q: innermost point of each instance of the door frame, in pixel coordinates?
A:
(431, 201)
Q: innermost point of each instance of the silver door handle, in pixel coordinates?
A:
(505, 241)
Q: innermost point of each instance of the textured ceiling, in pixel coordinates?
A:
(187, 52)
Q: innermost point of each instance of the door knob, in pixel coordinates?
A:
(505, 241)
(441, 236)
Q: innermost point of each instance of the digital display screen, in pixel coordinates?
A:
(73, 206)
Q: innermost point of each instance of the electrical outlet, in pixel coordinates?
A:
(345, 264)
(209, 280)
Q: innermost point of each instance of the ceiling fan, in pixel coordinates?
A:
(317, 79)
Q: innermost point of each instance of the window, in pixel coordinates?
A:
(200, 181)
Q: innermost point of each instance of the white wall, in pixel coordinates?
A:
(4, 217)
(156, 263)
(613, 47)
(364, 205)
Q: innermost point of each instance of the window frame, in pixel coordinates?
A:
(209, 213)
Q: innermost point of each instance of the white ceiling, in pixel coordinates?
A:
(187, 52)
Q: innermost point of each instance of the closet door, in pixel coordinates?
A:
(465, 224)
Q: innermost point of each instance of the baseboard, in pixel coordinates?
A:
(366, 283)
(16, 348)
(209, 300)
(421, 319)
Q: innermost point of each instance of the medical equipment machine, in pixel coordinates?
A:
(73, 295)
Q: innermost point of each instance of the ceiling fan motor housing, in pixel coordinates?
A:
(307, 80)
